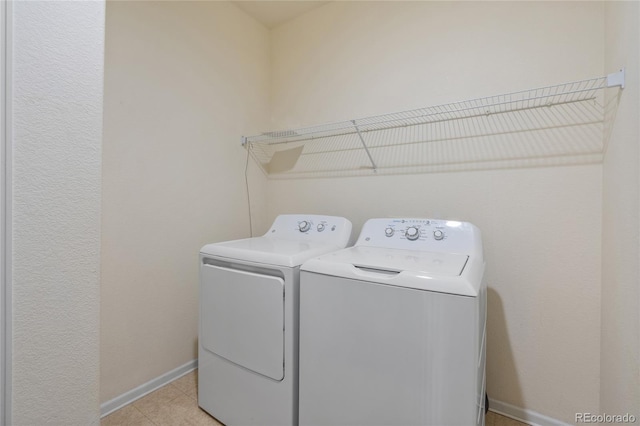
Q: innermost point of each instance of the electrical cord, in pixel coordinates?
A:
(246, 181)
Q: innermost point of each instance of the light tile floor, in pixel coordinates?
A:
(176, 404)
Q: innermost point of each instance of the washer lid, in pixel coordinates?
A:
(397, 260)
(271, 251)
(442, 272)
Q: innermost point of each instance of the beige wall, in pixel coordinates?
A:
(56, 100)
(183, 82)
(425, 53)
(620, 352)
(541, 227)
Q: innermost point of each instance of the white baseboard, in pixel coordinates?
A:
(146, 388)
(523, 415)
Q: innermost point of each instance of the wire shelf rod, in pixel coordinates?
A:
(546, 122)
(466, 117)
(462, 137)
(349, 130)
(450, 108)
(448, 139)
(460, 162)
(373, 163)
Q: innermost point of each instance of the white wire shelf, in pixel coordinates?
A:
(554, 125)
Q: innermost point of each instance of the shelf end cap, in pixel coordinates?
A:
(616, 79)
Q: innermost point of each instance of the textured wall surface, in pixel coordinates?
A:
(183, 82)
(620, 352)
(541, 226)
(57, 133)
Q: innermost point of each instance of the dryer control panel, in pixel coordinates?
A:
(421, 234)
(309, 227)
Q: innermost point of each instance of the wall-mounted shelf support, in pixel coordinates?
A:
(616, 79)
(554, 125)
(373, 163)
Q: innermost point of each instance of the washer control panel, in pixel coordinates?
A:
(419, 234)
(329, 229)
(317, 225)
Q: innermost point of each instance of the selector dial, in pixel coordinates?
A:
(412, 233)
(304, 226)
(321, 227)
(438, 235)
(389, 232)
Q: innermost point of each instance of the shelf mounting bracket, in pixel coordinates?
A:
(616, 79)
(373, 163)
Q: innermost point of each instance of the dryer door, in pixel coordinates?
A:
(242, 318)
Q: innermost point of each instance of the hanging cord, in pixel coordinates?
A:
(246, 181)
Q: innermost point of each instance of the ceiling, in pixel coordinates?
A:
(273, 13)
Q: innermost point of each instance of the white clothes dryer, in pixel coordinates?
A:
(392, 330)
(248, 331)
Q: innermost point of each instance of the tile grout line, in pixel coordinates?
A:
(492, 416)
(145, 416)
(169, 402)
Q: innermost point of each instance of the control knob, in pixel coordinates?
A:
(304, 226)
(321, 227)
(412, 233)
(389, 232)
(438, 235)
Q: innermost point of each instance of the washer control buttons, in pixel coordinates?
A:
(304, 226)
(321, 227)
(438, 235)
(412, 233)
(389, 232)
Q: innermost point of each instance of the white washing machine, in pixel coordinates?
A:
(248, 332)
(392, 330)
